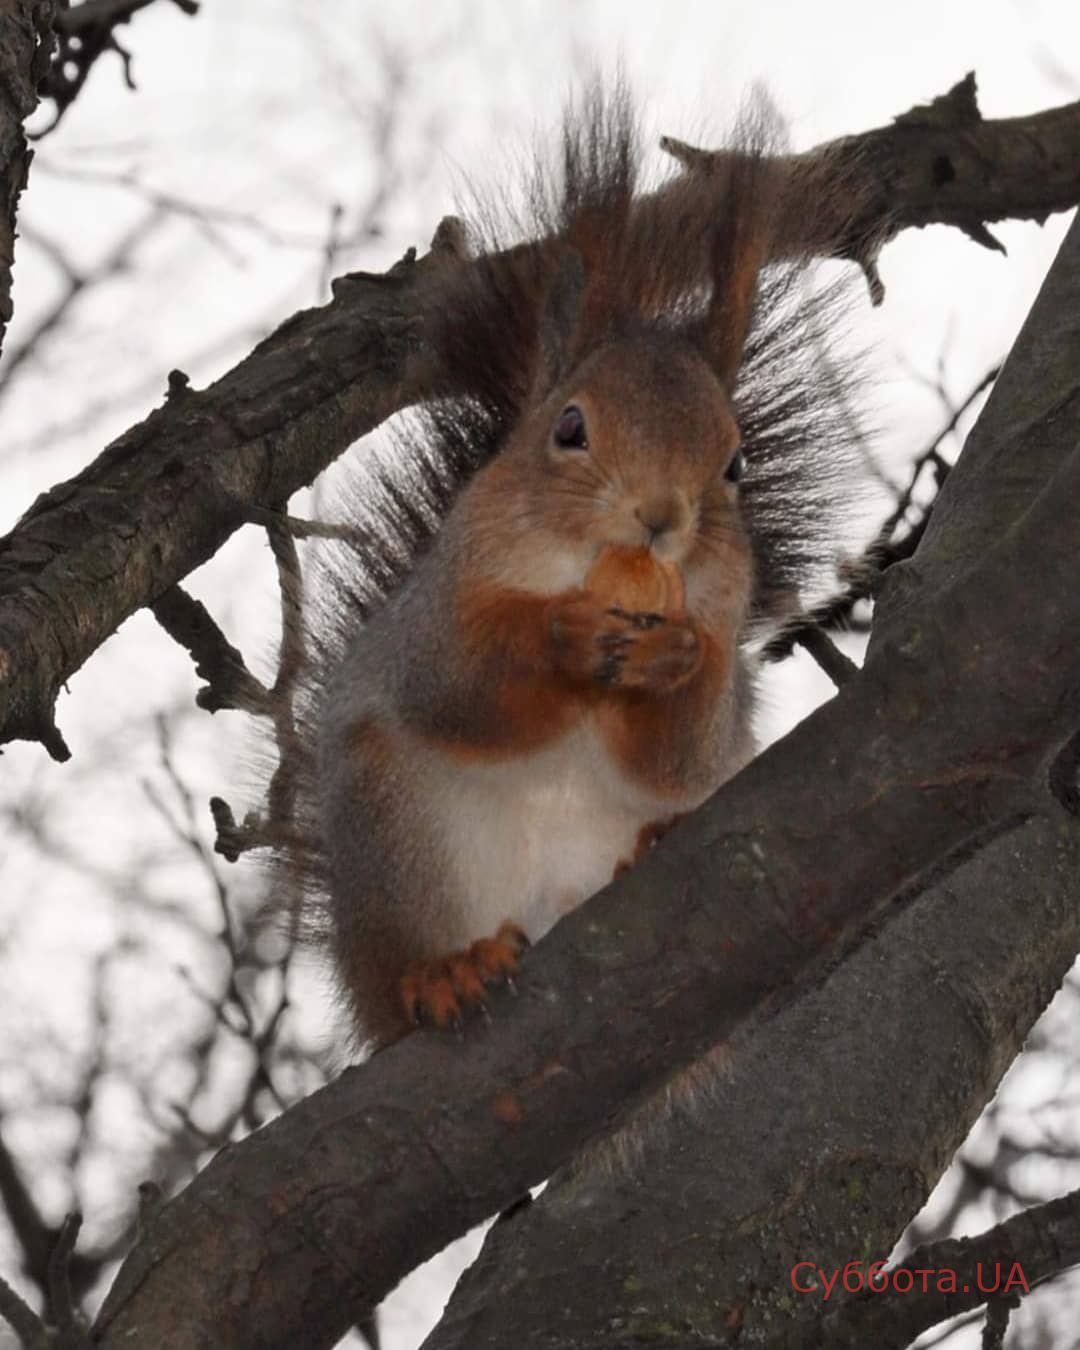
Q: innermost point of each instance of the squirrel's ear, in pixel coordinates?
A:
(559, 320)
(740, 248)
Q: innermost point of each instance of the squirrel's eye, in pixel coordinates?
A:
(569, 430)
(734, 470)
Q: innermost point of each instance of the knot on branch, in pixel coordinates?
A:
(951, 111)
(231, 838)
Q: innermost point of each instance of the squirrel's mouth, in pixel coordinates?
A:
(672, 550)
(633, 578)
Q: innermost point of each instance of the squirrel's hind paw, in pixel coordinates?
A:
(441, 992)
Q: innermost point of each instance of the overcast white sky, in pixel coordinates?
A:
(265, 108)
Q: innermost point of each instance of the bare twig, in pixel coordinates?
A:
(233, 1009)
(75, 283)
(839, 667)
(211, 218)
(356, 535)
(932, 453)
(85, 32)
(885, 550)
(61, 1304)
(22, 1319)
(229, 683)
(67, 1330)
(36, 1238)
(233, 839)
(998, 1312)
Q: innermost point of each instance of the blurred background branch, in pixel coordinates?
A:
(84, 32)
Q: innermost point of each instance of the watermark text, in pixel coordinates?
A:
(991, 1278)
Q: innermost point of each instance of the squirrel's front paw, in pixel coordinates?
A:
(444, 990)
(612, 646)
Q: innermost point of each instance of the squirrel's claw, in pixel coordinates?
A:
(641, 620)
(443, 991)
(427, 995)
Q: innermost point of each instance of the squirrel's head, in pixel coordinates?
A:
(597, 376)
(630, 440)
(636, 447)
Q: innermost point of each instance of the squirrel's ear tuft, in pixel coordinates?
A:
(740, 248)
(559, 321)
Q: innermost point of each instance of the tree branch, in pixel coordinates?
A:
(167, 494)
(35, 1238)
(25, 47)
(939, 164)
(229, 683)
(1042, 1242)
(295, 1232)
(85, 32)
(809, 1142)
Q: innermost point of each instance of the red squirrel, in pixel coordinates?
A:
(635, 467)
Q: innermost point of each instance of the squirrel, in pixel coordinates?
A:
(545, 654)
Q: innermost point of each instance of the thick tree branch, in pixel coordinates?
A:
(816, 1137)
(291, 1234)
(942, 164)
(166, 495)
(25, 47)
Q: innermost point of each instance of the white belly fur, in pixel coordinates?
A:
(532, 838)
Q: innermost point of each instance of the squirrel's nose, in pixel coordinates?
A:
(665, 512)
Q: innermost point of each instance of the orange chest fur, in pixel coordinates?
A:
(506, 632)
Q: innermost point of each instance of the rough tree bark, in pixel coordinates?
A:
(819, 1144)
(25, 43)
(937, 748)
